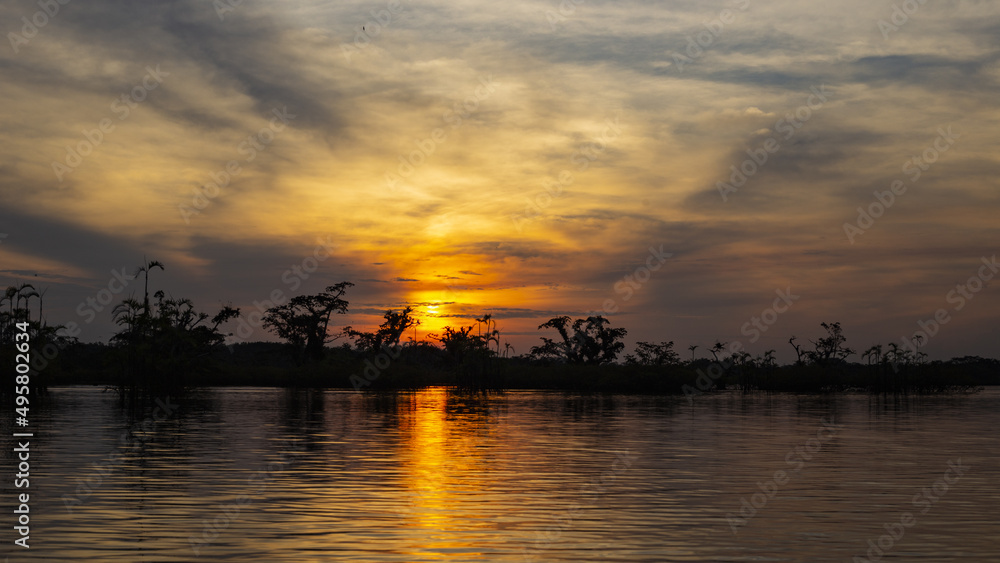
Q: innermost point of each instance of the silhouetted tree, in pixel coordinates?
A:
(304, 321)
(144, 270)
(767, 360)
(472, 349)
(388, 333)
(650, 354)
(829, 349)
(799, 352)
(492, 332)
(464, 343)
(26, 291)
(591, 341)
(873, 355)
(745, 366)
(15, 313)
(507, 349)
(17, 319)
(716, 349)
(161, 345)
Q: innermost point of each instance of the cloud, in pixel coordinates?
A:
(418, 179)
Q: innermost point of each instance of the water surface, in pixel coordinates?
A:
(262, 474)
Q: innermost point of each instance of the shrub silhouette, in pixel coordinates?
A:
(649, 354)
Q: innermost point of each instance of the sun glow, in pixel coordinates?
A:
(437, 309)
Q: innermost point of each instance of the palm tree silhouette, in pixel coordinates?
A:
(14, 295)
(144, 270)
(41, 300)
(27, 299)
(718, 347)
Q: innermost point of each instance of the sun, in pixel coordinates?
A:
(435, 309)
(433, 318)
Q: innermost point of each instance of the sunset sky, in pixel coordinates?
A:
(516, 158)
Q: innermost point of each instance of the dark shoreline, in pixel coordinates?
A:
(270, 365)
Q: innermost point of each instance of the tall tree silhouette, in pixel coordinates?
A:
(144, 270)
(304, 321)
(388, 333)
(829, 349)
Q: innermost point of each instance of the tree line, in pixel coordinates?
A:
(165, 343)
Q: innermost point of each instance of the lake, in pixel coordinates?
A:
(264, 474)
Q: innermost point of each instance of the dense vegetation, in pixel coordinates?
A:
(165, 345)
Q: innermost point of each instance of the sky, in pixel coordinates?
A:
(681, 168)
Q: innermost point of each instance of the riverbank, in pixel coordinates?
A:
(270, 365)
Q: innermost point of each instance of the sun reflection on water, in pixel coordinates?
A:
(441, 470)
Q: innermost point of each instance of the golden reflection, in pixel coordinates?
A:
(441, 471)
(428, 458)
